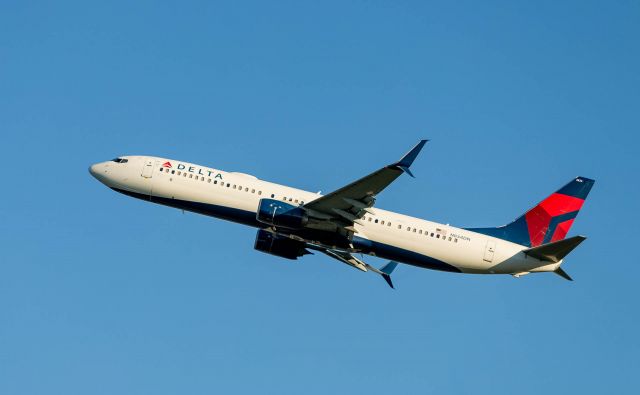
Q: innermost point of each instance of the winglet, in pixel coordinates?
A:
(405, 162)
(385, 272)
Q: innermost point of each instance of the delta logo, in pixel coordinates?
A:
(190, 169)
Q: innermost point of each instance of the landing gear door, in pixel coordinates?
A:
(147, 169)
(489, 250)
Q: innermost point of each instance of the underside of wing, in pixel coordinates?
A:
(359, 264)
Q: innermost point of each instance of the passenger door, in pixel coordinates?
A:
(147, 169)
(489, 250)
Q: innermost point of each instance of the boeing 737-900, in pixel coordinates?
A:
(345, 224)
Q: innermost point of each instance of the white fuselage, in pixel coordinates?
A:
(235, 197)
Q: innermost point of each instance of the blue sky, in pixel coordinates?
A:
(103, 294)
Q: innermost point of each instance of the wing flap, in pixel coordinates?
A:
(347, 258)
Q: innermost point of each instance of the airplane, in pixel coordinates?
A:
(345, 225)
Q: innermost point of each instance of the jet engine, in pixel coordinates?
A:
(279, 245)
(276, 213)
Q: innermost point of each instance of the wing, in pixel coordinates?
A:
(352, 261)
(345, 205)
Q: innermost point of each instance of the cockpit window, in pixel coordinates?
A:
(120, 160)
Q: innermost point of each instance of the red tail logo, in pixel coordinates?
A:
(167, 164)
(551, 219)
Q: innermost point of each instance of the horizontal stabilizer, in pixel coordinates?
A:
(555, 251)
(562, 274)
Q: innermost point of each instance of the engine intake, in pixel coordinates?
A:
(278, 245)
(276, 213)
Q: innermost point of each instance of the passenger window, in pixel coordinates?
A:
(388, 223)
(209, 180)
(296, 200)
(290, 199)
(369, 219)
(301, 202)
(376, 221)
(179, 172)
(437, 236)
(173, 172)
(184, 175)
(259, 192)
(399, 226)
(272, 196)
(228, 185)
(246, 189)
(414, 230)
(161, 170)
(449, 238)
(381, 222)
(215, 181)
(190, 175)
(253, 191)
(420, 232)
(431, 234)
(455, 240)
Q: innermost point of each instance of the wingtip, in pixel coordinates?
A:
(386, 271)
(387, 278)
(406, 170)
(407, 160)
(389, 267)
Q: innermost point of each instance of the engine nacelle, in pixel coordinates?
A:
(276, 213)
(278, 245)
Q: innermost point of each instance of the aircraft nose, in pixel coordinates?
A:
(93, 169)
(98, 171)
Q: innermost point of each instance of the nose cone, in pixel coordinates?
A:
(93, 169)
(99, 171)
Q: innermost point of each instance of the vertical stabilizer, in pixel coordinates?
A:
(549, 221)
